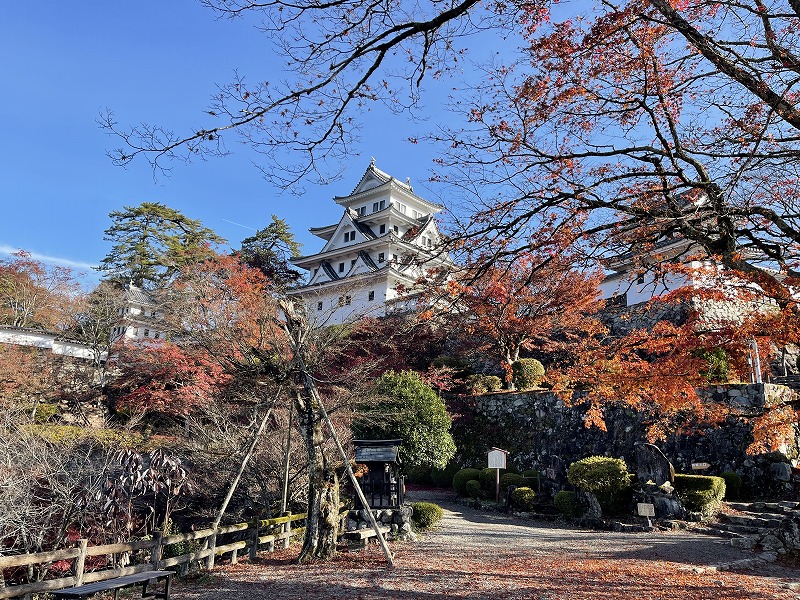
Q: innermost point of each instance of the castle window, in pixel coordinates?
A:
(349, 236)
(362, 210)
(371, 296)
(383, 228)
(640, 279)
(319, 305)
(381, 257)
(341, 267)
(146, 333)
(353, 262)
(347, 300)
(396, 229)
(156, 336)
(374, 207)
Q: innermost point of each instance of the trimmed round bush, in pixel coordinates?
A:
(488, 478)
(515, 479)
(700, 493)
(480, 384)
(527, 373)
(522, 499)
(567, 504)
(476, 385)
(493, 383)
(473, 488)
(461, 478)
(733, 484)
(426, 514)
(607, 478)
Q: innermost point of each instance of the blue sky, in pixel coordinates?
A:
(157, 62)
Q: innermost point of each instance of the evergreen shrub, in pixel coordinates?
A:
(493, 383)
(567, 504)
(480, 384)
(461, 478)
(44, 412)
(733, 484)
(607, 478)
(515, 479)
(477, 385)
(488, 478)
(473, 488)
(418, 474)
(700, 493)
(523, 499)
(444, 477)
(527, 373)
(532, 473)
(426, 514)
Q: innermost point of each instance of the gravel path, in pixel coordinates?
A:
(479, 555)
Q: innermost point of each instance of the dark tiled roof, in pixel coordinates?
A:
(368, 260)
(137, 295)
(388, 454)
(368, 233)
(326, 266)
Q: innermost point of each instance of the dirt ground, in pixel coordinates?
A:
(479, 555)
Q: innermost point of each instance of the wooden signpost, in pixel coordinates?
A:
(645, 509)
(497, 460)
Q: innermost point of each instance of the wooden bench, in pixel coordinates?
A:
(82, 592)
(360, 537)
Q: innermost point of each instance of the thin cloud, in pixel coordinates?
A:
(53, 260)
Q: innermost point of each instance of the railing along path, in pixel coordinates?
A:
(236, 540)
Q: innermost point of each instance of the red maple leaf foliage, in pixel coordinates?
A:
(167, 379)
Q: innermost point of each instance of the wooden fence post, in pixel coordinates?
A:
(254, 541)
(155, 556)
(212, 546)
(287, 529)
(80, 561)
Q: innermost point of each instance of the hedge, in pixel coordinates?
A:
(733, 484)
(700, 493)
(426, 514)
(461, 478)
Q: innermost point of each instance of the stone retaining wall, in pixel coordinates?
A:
(541, 432)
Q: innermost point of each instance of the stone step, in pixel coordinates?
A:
(716, 532)
(758, 522)
(737, 529)
(766, 508)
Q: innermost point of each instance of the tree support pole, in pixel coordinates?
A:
(245, 459)
(296, 328)
(285, 494)
(309, 382)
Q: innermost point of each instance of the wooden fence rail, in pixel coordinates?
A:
(203, 547)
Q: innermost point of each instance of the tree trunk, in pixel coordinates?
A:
(323, 490)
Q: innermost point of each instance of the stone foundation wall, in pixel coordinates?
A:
(541, 432)
(398, 520)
